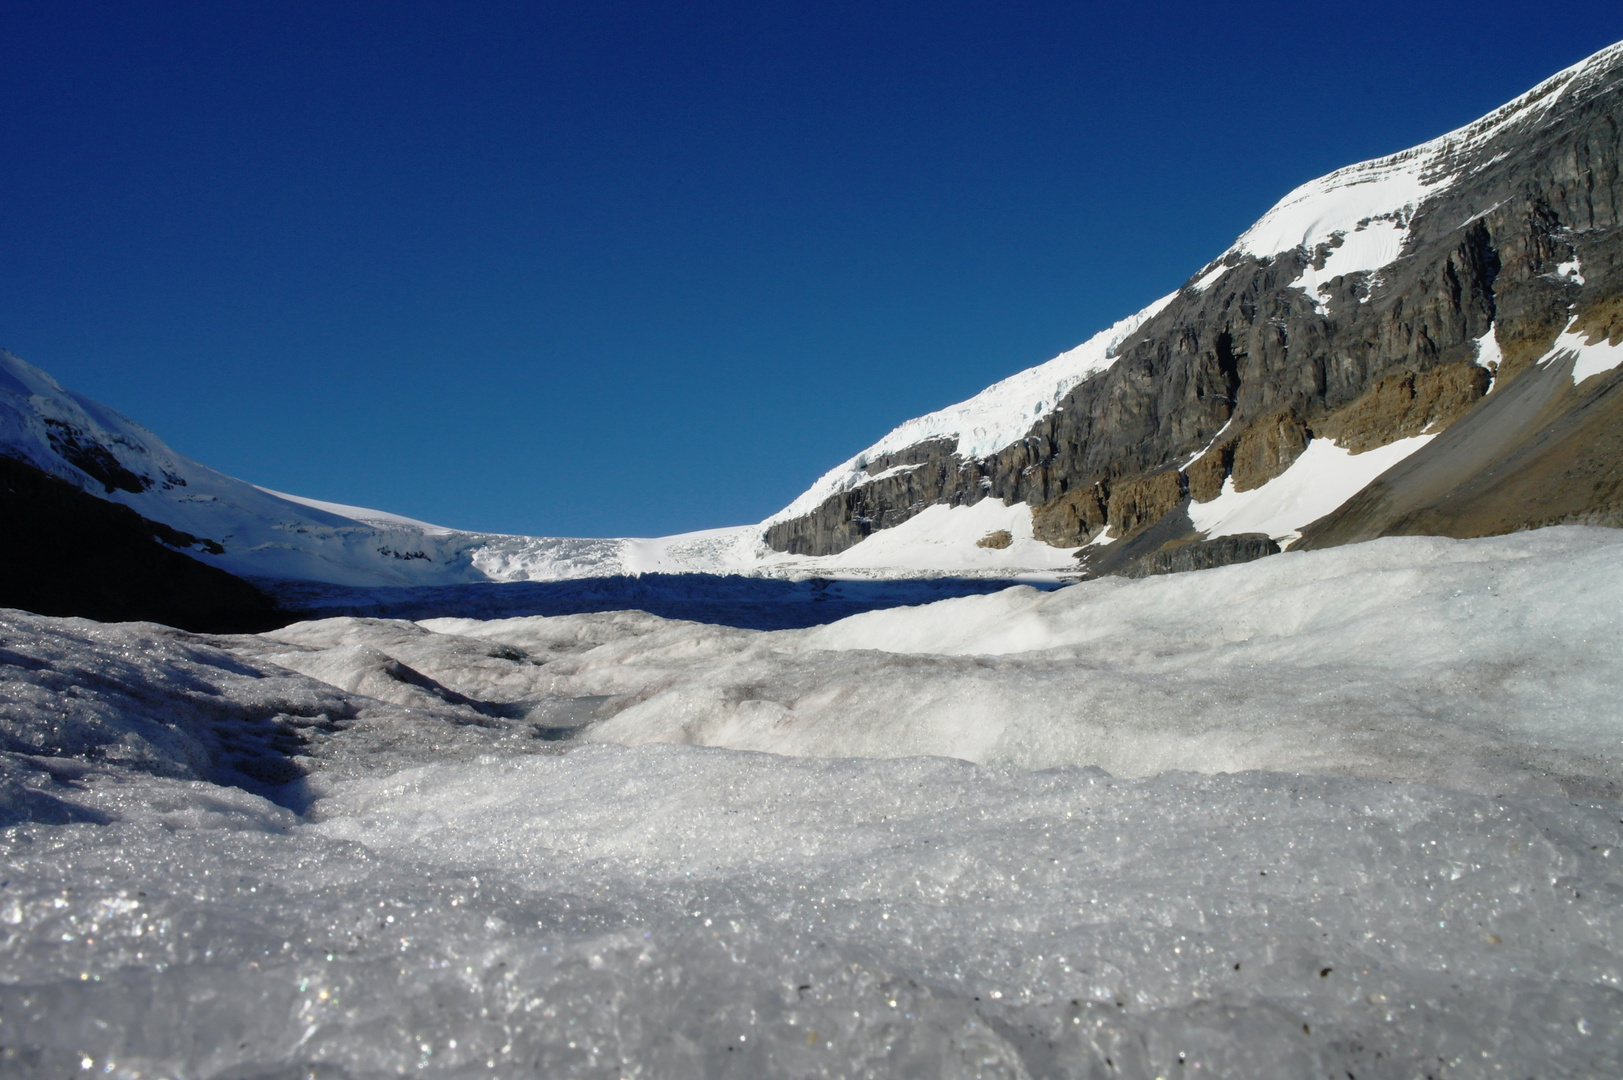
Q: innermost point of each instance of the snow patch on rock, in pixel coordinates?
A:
(989, 421)
(1317, 482)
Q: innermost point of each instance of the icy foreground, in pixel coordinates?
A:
(340, 848)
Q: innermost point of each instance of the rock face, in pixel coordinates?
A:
(1204, 554)
(1499, 236)
(66, 552)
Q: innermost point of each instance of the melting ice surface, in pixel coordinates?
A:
(1331, 813)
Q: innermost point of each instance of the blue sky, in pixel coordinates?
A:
(635, 268)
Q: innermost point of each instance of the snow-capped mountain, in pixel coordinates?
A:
(233, 524)
(269, 535)
(1426, 342)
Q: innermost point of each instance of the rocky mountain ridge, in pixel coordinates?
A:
(1455, 286)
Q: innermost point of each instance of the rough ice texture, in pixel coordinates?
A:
(431, 889)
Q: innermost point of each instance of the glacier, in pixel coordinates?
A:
(1339, 812)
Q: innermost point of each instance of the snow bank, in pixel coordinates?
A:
(1418, 659)
(1324, 477)
(219, 867)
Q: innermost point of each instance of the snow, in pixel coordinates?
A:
(358, 513)
(1356, 818)
(1589, 358)
(1210, 277)
(264, 533)
(1353, 203)
(992, 419)
(1321, 479)
(1369, 246)
(937, 540)
(944, 538)
(1379, 197)
(1364, 210)
(1488, 353)
(276, 536)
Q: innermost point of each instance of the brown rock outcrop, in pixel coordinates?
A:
(1206, 475)
(1267, 448)
(1143, 502)
(998, 538)
(1074, 518)
(1602, 321)
(1405, 404)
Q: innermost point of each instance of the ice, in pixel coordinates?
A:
(1396, 659)
(1369, 246)
(1321, 479)
(360, 513)
(1261, 889)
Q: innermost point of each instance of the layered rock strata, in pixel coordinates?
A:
(1513, 236)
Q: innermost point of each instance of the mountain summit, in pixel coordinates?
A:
(1423, 343)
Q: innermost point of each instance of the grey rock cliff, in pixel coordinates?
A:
(1263, 368)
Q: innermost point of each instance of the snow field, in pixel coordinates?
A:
(1321, 479)
(339, 849)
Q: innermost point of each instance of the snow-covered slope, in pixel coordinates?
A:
(240, 528)
(264, 534)
(1366, 208)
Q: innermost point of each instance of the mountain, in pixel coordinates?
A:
(1424, 343)
(80, 460)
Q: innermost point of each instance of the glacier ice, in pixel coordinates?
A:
(1337, 812)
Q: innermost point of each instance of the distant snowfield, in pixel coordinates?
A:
(1348, 811)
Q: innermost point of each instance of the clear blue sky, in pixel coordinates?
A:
(634, 268)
